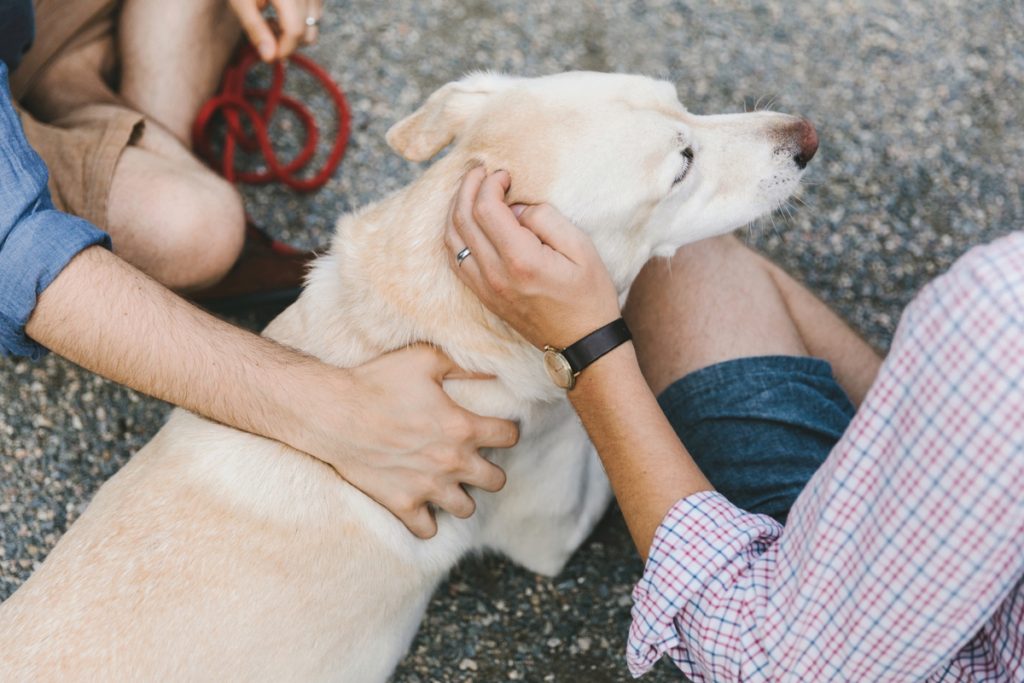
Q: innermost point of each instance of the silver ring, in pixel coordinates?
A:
(312, 21)
(462, 256)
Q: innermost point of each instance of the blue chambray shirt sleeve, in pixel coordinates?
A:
(36, 240)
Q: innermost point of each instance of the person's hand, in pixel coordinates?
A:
(529, 264)
(291, 18)
(388, 428)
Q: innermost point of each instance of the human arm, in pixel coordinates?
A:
(904, 543)
(619, 412)
(291, 20)
(546, 280)
(386, 426)
(403, 448)
(539, 272)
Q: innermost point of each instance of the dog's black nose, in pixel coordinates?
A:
(807, 140)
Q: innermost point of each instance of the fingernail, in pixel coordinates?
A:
(518, 209)
(266, 50)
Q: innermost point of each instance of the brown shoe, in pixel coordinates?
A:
(268, 273)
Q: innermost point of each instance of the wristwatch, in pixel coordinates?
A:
(563, 365)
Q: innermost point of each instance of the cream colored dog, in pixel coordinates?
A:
(218, 555)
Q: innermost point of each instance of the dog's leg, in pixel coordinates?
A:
(556, 493)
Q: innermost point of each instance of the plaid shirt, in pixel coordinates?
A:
(902, 560)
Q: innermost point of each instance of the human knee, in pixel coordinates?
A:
(714, 301)
(205, 230)
(693, 269)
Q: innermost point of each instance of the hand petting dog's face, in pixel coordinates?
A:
(618, 154)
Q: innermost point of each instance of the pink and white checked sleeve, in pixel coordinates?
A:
(902, 559)
(701, 579)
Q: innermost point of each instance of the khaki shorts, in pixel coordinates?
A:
(81, 148)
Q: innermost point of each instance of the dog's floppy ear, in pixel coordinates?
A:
(426, 131)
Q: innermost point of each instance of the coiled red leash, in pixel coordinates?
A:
(269, 271)
(235, 101)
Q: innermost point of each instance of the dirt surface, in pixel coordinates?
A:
(918, 107)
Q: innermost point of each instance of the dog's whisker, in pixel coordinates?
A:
(807, 204)
(775, 227)
(762, 227)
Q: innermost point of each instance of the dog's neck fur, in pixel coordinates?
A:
(387, 283)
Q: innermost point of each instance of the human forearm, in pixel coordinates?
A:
(558, 292)
(403, 448)
(113, 320)
(649, 468)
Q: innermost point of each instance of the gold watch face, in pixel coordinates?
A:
(558, 368)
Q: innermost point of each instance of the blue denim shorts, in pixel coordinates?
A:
(759, 427)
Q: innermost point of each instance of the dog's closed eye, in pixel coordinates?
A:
(687, 163)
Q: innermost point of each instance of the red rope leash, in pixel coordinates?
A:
(235, 101)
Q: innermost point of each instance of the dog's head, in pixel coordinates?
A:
(618, 154)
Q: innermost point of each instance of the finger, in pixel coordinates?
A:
(293, 25)
(435, 362)
(463, 217)
(421, 522)
(498, 223)
(485, 475)
(553, 229)
(463, 232)
(494, 432)
(454, 500)
(314, 11)
(468, 188)
(468, 269)
(256, 28)
(461, 373)
(439, 365)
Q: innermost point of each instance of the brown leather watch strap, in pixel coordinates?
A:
(596, 344)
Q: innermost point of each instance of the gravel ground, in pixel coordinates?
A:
(918, 109)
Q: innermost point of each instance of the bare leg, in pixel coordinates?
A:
(167, 213)
(171, 217)
(717, 300)
(172, 57)
(825, 335)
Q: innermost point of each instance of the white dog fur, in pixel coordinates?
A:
(218, 555)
